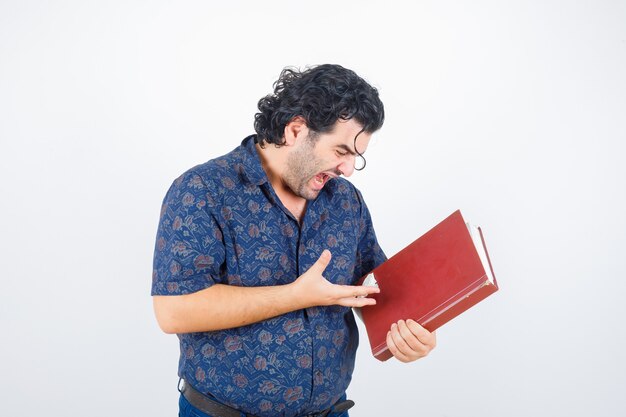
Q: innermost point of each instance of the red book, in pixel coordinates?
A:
(434, 279)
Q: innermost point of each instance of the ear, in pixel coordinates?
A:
(295, 129)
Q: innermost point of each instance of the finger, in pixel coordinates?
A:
(424, 336)
(414, 343)
(355, 290)
(400, 343)
(322, 262)
(395, 351)
(358, 292)
(417, 348)
(353, 295)
(356, 302)
(370, 289)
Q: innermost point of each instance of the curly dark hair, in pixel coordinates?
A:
(321, 95)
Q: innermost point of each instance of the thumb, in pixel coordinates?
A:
(322, 262)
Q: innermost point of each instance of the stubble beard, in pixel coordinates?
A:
(302, 166)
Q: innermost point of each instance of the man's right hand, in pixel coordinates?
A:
(315, 290)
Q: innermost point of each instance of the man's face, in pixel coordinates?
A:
(315, 160)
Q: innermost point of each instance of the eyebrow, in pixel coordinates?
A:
(347, 149)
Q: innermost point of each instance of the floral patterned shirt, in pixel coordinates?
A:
(222, 222)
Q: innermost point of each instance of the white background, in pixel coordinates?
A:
(512, 111)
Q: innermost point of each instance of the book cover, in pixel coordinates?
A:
(434, 279)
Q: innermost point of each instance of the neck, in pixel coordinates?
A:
(272, 159)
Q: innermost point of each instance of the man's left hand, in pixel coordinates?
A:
(408, 341)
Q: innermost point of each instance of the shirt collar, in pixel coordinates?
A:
(252, 168)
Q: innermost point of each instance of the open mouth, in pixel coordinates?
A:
(320, 178)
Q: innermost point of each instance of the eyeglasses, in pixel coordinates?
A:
(359, 160)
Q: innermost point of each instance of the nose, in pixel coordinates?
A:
(346, 167)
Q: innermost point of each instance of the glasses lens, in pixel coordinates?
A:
(359, 163)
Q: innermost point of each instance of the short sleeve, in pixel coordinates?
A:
(369, 252)
(189, 250)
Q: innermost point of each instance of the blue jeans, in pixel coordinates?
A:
(188, 410)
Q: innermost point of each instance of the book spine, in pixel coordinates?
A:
(482, 238)
(383, 354)
(464, 302)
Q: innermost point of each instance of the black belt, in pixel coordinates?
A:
(216, 409)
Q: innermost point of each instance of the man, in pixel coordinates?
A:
(257, 252)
